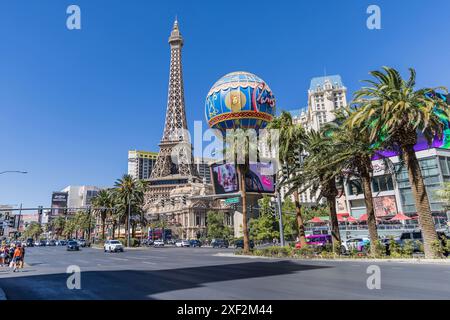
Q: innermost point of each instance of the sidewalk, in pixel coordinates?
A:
(410, 261)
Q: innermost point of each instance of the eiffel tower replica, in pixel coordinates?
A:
(174, 166)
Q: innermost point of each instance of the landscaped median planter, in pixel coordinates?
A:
(309, 253)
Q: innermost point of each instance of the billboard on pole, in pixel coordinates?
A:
(59, 201)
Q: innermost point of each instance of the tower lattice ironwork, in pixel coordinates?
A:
(174, 164)
(175, 155)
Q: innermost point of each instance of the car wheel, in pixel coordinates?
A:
(343, 250)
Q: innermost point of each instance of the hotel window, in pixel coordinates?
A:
(354, 187)
(382, 183)
(444, 167)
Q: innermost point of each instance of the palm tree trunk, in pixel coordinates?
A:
(331, 199)
(368, 200)
(298, 214)
(241, 175)
(103, 228)
(422, 203)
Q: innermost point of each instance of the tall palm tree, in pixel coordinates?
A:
(391, 107)
(290, 143)
(102, 205)
(241, 146)
(58, 225)
(129, 192)
(352, 156)
(313, 175)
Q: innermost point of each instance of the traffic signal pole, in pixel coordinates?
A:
(280, 218)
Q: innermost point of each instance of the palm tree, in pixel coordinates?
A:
(102, 206)
(391, 108)
(313, 175)
(352, 155)
(241, 147)
(290, 141)
(58, 225)
(129, 192)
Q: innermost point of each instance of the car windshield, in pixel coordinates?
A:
(72, 243)
(115, 242)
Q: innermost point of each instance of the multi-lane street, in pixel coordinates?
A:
(199, 273)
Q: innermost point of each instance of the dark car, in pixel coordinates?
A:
(219, 243)
(73, 246)
(29, 242)
(42, 243)
(195, 243)
(240, 244)
(82, 243)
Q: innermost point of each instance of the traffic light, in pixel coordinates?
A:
(163, 202)
(12, 221)
(285, 170)
(272, 210)
(172, 201)
(298, 156)
(184, 200)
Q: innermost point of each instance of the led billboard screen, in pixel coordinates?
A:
(260, 178)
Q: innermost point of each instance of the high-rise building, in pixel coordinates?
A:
(325, 95)
(141, 163)
(79, 196)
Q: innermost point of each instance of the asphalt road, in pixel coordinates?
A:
(197, 273)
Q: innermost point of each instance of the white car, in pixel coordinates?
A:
(182, 243)
(113, 246)
(352, 244)
(158, 243)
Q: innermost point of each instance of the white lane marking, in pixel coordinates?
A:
(148, 262)
(121, 259)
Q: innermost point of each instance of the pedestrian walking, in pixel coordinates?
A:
(2, 255)
(16, 258)
(22, 257)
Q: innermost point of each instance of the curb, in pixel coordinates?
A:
(406, 261)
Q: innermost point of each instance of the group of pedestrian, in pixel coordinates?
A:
(12, 256)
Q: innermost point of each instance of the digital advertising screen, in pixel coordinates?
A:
(260, 178)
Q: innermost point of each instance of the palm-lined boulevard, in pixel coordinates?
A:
(386, 114)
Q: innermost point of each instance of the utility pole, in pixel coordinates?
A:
(89, 213)
(128, 231)
(18, 220)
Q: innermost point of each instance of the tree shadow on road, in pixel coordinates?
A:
(141, 284)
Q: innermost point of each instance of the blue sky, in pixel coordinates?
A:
(74, 102)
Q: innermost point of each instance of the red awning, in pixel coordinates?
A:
(400, 217)
(346, 219)
(315, 220)
(344, 214)
(364, 217)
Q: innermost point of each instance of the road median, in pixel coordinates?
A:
(391, 260)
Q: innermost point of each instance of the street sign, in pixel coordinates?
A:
(232, 200)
